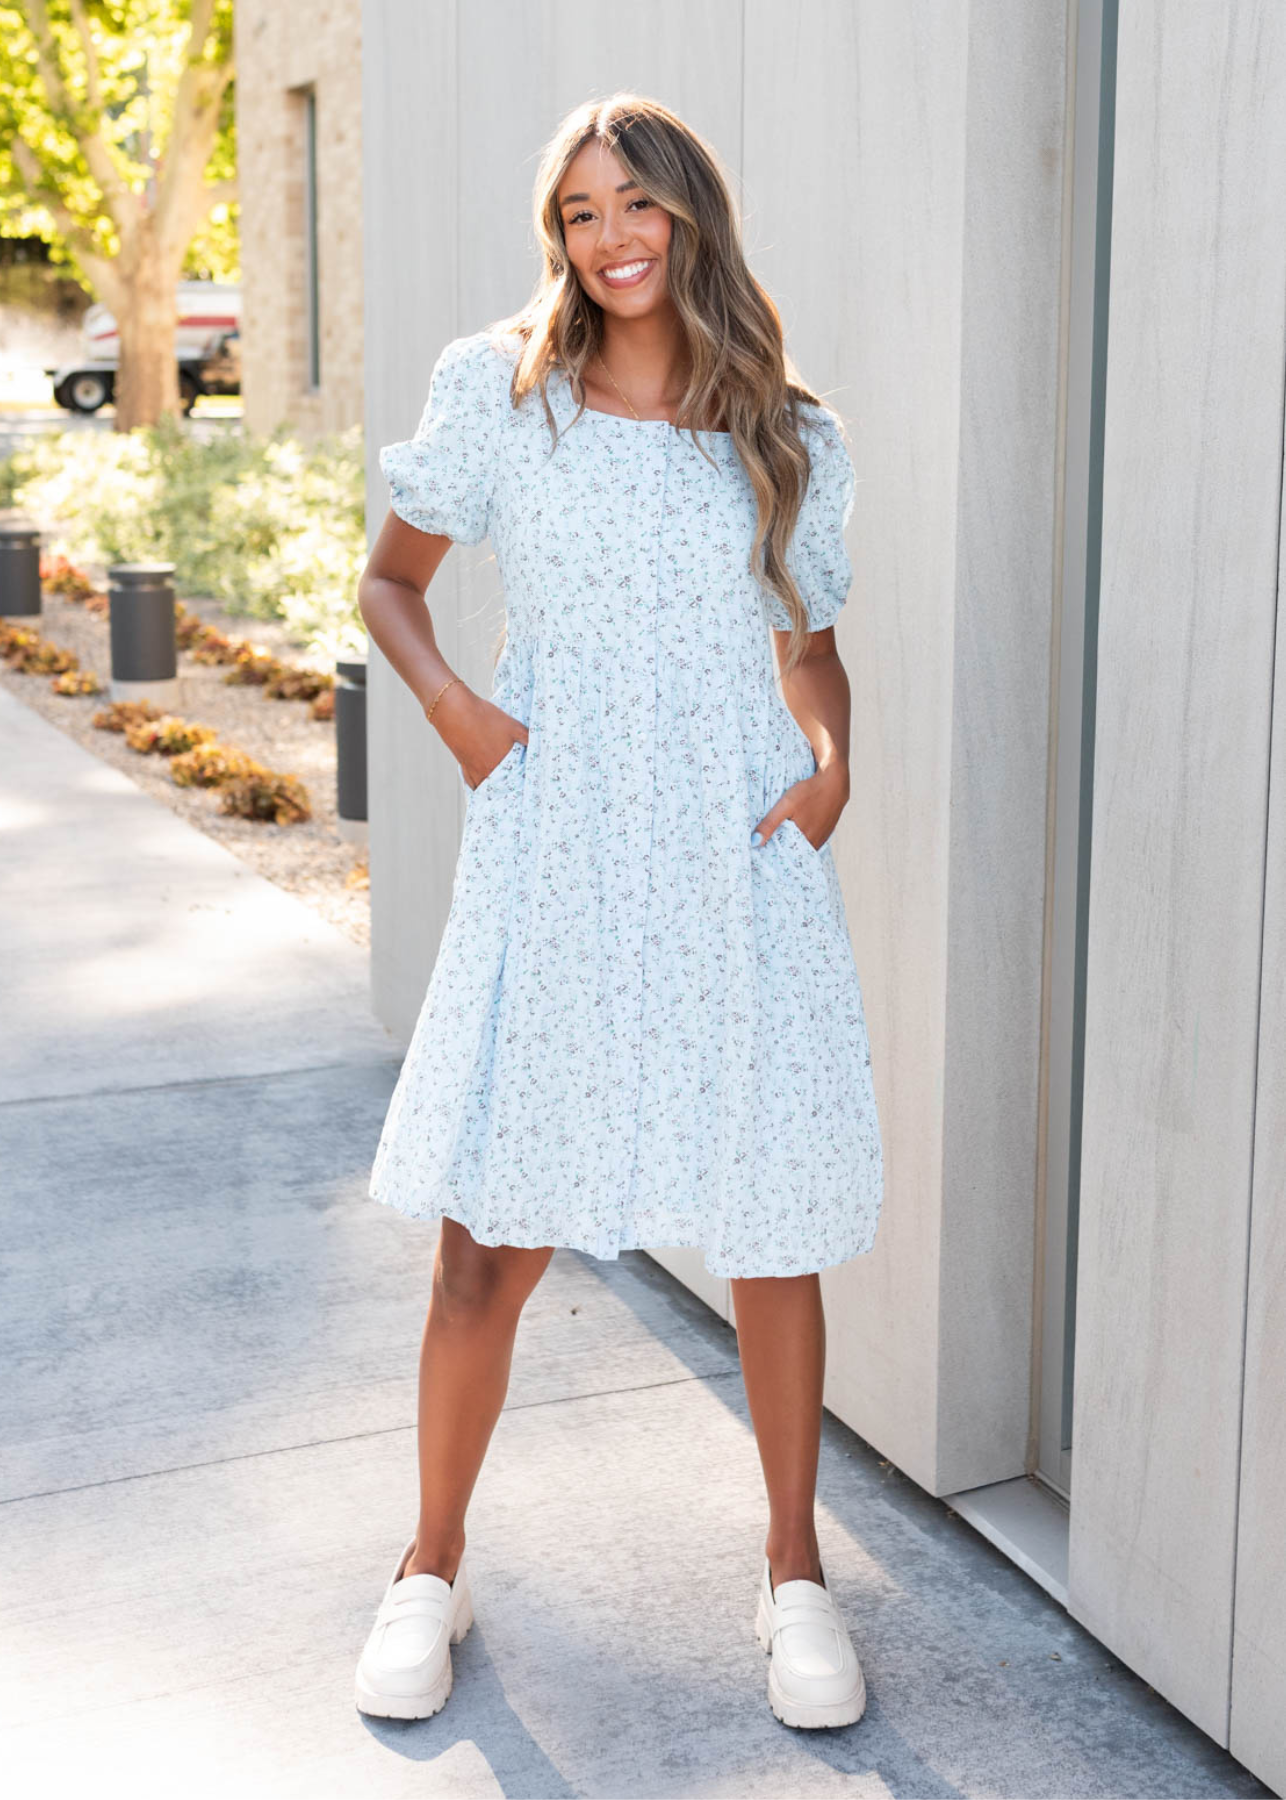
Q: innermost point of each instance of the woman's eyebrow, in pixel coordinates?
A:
(623, 187)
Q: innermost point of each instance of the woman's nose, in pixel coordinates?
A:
(616, 231)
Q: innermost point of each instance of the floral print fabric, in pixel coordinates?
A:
(640, 1031)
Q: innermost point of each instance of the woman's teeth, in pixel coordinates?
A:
(626, 272)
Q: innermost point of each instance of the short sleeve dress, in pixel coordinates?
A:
(640, 1031)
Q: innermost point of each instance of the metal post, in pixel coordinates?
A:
(144, 648)
(19, 569)
(350, 749)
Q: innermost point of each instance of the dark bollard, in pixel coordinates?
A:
(350, 744)
(145, 662)
(19, 569)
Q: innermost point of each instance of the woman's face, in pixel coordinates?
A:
(618, 240)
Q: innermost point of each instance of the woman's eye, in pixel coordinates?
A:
(576, 217)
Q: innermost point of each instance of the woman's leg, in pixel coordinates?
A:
(479, 1291)
(781, 1337)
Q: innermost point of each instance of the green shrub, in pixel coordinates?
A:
(11, 478)
(270, 527)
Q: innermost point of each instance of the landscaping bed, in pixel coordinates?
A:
(309, 857)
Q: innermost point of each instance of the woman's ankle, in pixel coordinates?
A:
(793, 1561)
(435, 1556)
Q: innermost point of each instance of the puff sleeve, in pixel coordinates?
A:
(818, 555)
(441, 479)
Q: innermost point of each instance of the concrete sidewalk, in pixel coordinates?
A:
(210, 1337)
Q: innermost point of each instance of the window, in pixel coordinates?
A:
(312, 286)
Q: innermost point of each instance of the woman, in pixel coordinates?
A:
(644, 1025)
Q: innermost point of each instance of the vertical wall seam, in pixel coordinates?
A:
(1089, 683)
(453, 591)
(1072, 80)
(1254, 1081)
(944, 1095)
(457, 151)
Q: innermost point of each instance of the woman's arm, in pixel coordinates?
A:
(391, 600)
(818, 694)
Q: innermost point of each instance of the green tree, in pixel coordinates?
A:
(116, 144)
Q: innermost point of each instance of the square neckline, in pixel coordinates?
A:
(625, 419)
(599, 412)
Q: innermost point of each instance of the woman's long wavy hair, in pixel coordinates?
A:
(739, 365)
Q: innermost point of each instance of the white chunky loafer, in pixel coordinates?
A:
(405, 1669)
(814, 1677)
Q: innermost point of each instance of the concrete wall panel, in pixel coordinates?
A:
(914, 246)
(997, 799)
(871, 314)
(1190, 551)
(410, 256)
(1258, 1734)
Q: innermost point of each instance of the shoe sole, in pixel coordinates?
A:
(795, 1712)
(423, 1705)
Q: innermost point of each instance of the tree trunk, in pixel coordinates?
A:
(147, 380)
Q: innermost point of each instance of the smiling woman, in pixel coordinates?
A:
(644, 1025)
(636, 270)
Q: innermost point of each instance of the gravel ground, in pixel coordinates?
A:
(310, 860)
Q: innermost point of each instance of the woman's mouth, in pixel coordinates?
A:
(624, 275)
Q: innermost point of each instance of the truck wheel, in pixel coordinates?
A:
(188, 391)
(85, 391)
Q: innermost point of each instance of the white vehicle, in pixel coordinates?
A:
(206, 332)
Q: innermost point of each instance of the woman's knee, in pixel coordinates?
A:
(474, 1279)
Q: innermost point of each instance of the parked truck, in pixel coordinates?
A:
(206, 345)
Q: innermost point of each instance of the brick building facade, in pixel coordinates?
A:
(299, 88)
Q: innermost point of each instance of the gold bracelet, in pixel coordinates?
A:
(442, 690)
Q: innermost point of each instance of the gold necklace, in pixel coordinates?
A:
(616, 384)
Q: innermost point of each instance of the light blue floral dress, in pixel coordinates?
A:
(640, 1031)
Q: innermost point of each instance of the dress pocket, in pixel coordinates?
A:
(493, 826)
(797, 831)
(511, 759)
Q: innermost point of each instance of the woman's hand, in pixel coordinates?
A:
(477, 732)
(816, 692)
(814, 804)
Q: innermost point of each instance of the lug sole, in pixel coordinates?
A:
(463, 1619)
(794, 1712)
(404, 1706)
(432, 1700)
